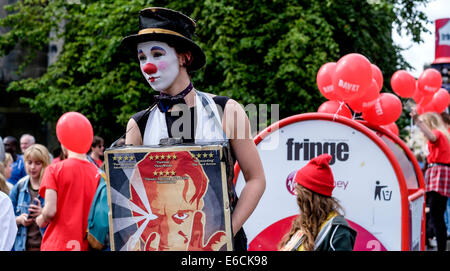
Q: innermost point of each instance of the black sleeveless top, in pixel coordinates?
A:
(141, 118)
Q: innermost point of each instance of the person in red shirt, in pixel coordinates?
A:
(69, 188)
(437, 174)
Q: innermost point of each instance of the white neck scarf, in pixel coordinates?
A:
(209, 127)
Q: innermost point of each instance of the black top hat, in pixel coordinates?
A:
(173, 27)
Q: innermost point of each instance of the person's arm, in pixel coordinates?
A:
(237, 128)
(133, 135)
(7, 224)
(49, 210)
(423, 127)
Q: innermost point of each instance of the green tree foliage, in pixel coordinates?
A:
(260, 52)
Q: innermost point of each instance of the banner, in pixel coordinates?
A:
(442, 47)
(168, 198)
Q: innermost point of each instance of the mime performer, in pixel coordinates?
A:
(166, 54)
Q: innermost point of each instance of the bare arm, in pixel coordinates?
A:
(423, 127)
(237, 128)
(133, 135)
(49, 210)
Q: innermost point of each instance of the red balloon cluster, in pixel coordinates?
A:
(426, 91)
(74, 131)
(355, 81)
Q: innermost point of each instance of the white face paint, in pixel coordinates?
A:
(165, 60)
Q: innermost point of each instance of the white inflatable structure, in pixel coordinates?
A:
(378, 181)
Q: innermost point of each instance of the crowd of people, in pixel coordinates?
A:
(21, 178)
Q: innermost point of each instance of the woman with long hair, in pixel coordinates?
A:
(5, 173)
(437, 174)
(320, 225)
(26, 200)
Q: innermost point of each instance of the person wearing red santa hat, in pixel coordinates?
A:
(320, 225)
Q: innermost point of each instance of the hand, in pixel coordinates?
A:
(24, 220)
(35, 210)
(215, 242)
(414, 114)
(40, 221)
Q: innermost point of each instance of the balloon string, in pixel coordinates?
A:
(336, 115)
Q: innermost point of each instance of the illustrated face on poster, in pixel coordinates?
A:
(174, 190)
(163, 62)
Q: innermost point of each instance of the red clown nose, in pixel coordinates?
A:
(149, 68)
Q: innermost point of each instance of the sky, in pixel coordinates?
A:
(419, 54)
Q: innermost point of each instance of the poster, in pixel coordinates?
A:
(168, 198)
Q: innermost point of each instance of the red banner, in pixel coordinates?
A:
(442, 47)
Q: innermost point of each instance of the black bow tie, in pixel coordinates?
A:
(165, 102)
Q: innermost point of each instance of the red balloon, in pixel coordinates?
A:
(378, 76)
(324, 81)
(370, 94)
(440, 100)
(353, 74)
(403, 84)
(75, 132)
(420, 98)
(387, 108)
(429, 81)
(424, 107)
(334, 107)
(417, 96)
(391, 127)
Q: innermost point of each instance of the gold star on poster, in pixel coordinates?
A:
(205, 155)
(174, 156)
(193, 155)
(169, 157)
(131, 158)
(114, 158)
(199, 155)
(161, 173)
(156, 157)
(162, 157)
(120, 158)
(167, 173)
(211, 155)
(151, 157)
(173, 173)
(125, 158)
(155, 173)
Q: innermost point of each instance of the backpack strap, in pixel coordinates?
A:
(323, 233)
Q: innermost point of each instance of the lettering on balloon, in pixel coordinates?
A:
(378, 109)
(348, 86)
(328, 89)
(428, 88)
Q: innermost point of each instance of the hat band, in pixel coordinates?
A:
(159, 31)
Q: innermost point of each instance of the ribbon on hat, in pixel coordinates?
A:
(165, 102)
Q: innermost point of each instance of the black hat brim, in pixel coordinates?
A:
(199, 58)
